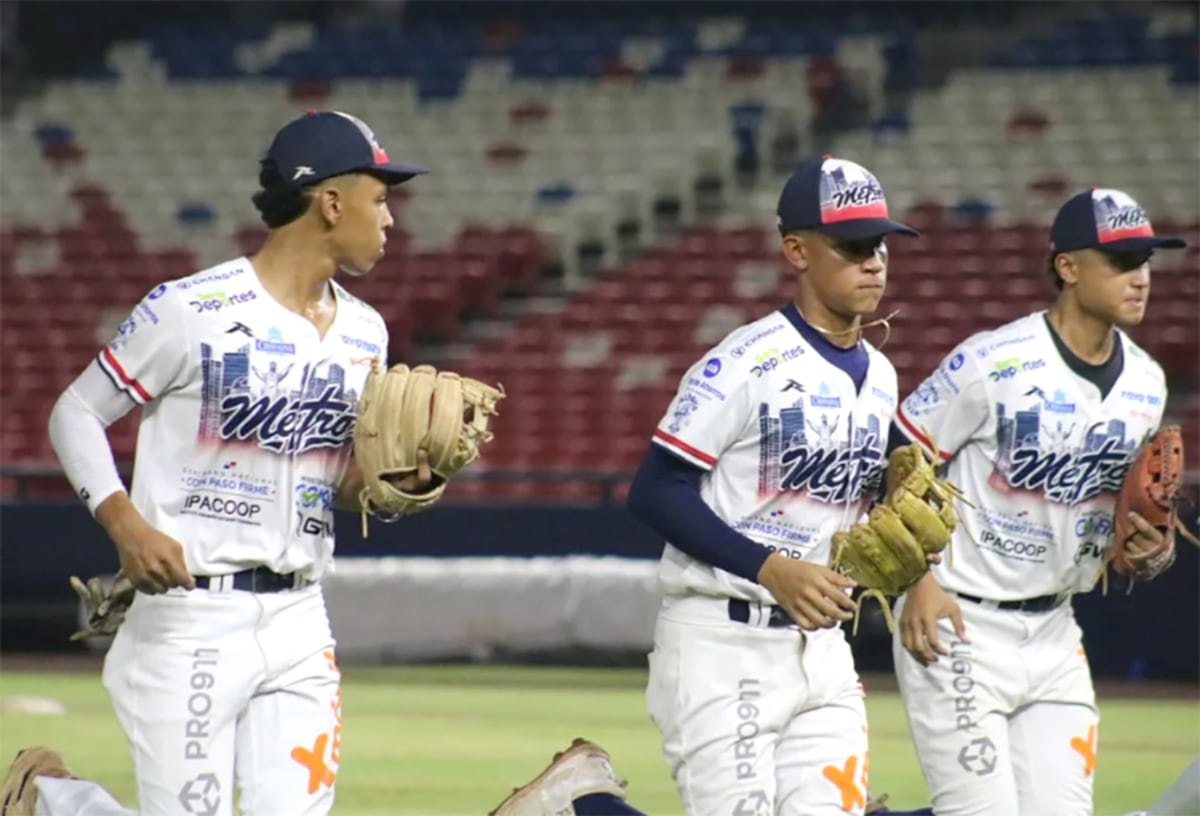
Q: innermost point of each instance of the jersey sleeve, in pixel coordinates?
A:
(149, 353)
(949, 408)
(708, 413)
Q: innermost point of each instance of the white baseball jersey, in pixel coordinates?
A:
(249, 417)
(793, 452)
(1037, 451)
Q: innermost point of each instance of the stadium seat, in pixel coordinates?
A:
(539, 139)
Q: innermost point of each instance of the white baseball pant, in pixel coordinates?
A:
(754, 720)
(216, 686)
(1008, 722)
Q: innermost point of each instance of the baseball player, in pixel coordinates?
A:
(224, 668)
(580, 781)
(1038, 422)
(752, 684)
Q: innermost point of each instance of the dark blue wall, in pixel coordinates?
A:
(1153, 632)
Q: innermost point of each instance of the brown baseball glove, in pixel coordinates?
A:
(105, 607)
(891, 550)
(403, 411)
(1151, 490)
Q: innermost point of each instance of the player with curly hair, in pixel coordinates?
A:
(1038, 422)
(223, 672)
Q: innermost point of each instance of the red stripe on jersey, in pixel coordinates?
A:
(916, 434)
(685, 447)
(142, 393)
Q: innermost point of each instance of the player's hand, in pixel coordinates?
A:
(813, 594)
(154, 562)
(925, 604)
(1147, 540)
(420, 482)
(151, 560)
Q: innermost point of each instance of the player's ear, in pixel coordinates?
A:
(329, 200)
(795, 250)
(1067, 266)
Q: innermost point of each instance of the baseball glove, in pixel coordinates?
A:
(402, 411)
(889, 552)
(105, 607)
(1151, 489)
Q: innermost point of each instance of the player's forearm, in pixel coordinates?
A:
(897, 438)
(925, 582)
(78, 435)
(119, 517)
(665, 497)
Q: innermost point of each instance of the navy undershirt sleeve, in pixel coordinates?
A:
(896, 439)
(665, 496)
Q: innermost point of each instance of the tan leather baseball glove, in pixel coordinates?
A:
(890, 551)
(403, 411)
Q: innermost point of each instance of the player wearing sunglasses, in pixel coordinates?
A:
(772, 444)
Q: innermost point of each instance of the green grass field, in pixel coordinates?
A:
(419, 741)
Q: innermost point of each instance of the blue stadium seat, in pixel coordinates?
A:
(53, 133)
(972, 210)
(195, 215)
(554, 194)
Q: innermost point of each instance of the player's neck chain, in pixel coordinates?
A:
(883, 321)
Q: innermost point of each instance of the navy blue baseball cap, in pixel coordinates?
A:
(836, 197)
(324, 144)
(1108, 220)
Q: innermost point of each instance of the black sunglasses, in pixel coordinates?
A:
(1128, 261)
(858, 249)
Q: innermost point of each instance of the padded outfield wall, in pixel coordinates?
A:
(527, 582)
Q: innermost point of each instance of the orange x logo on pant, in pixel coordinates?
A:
(843, 778)
(314, 760)
(1086, 748)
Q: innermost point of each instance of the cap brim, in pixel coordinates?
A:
(1143, 244)
(393, 173)
(866, 228)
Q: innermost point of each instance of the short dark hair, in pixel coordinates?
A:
(1052, 270)
(279, 202)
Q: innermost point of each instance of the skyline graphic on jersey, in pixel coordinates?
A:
(814, 456)
(244, 402)
(1038, 449)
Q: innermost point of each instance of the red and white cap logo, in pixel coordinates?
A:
(1118, 217)
(849, 192)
